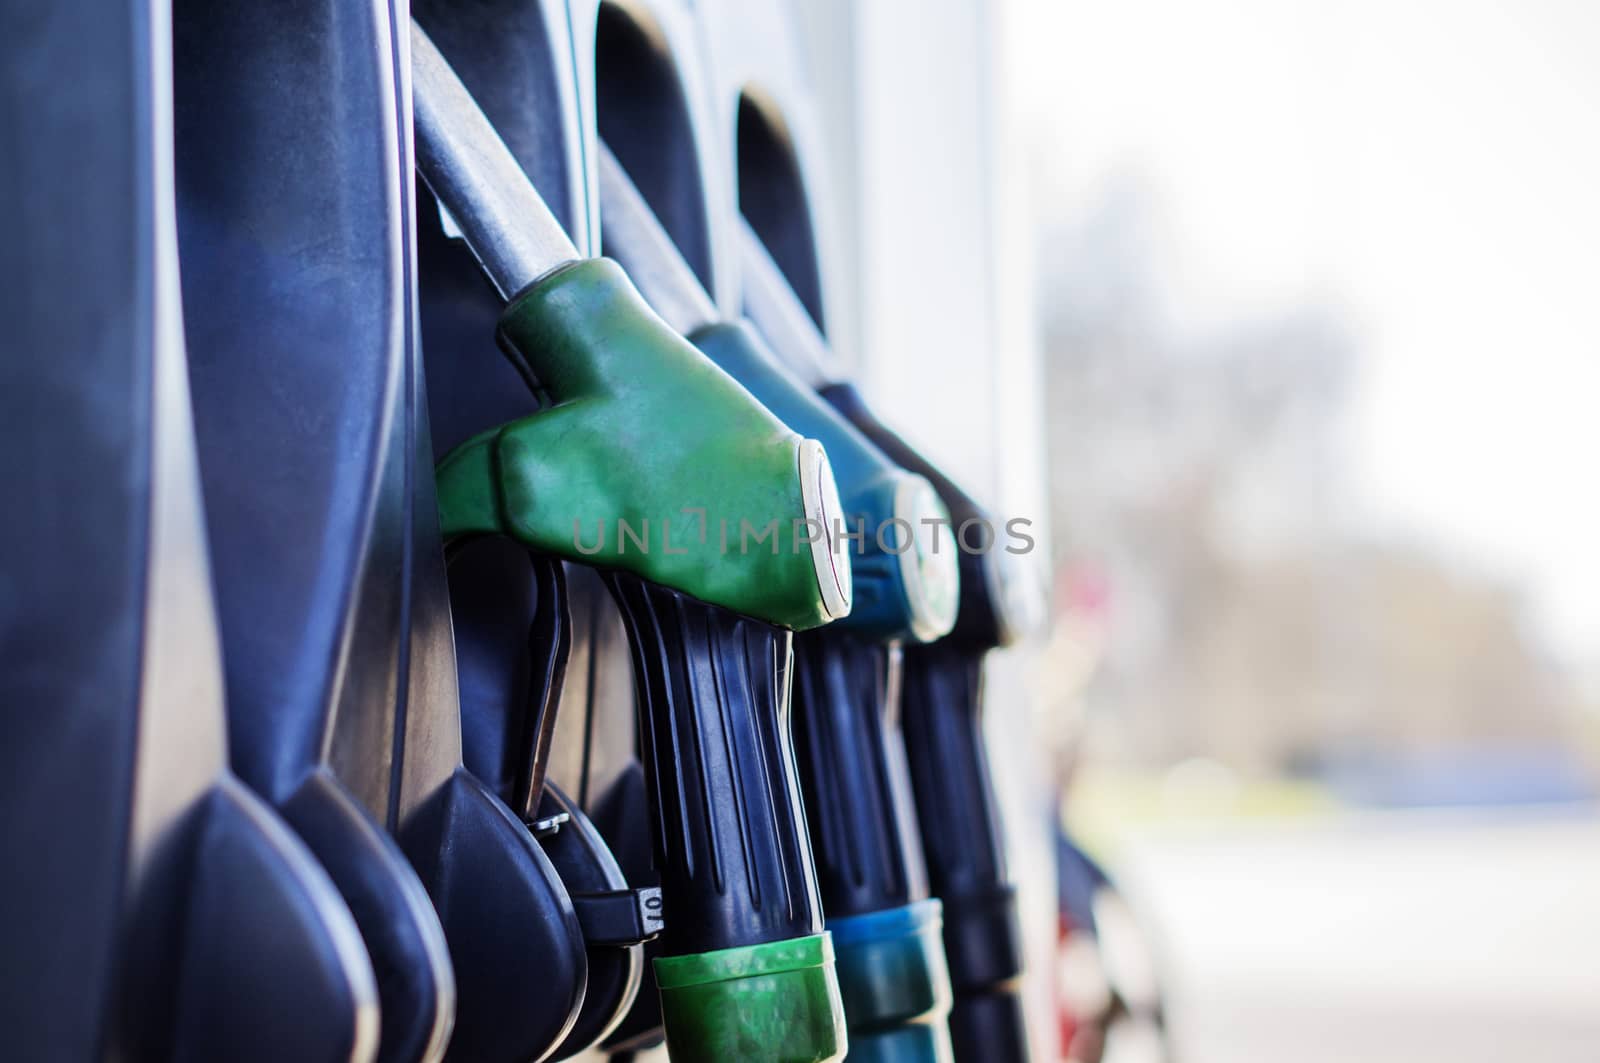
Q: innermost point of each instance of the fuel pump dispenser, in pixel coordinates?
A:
(942, 697)
(641, 427)
(851, 756)
(390, 876)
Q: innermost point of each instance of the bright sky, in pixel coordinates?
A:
(1431, 165)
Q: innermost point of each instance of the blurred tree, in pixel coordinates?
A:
(1197, 473)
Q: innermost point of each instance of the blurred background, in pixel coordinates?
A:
(1279, 318)
(1322, 352)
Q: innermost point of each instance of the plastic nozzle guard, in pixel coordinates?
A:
(769, 1002)
(651, 460)
(895, 984)
(904, 564)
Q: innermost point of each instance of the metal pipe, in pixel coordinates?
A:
(772, 306)
(633, 236)
(510, 230)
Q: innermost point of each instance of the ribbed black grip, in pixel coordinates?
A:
(950, 770)
(730, 833)
(853, 772)
(943, 696)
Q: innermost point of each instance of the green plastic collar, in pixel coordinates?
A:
(777, 1001)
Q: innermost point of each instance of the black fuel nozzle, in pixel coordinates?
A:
(942, 713)
(962, 834)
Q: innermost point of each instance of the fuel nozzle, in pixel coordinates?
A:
(641, 432)
(850, 754)
(942, 712)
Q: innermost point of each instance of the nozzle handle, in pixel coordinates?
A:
(730, 835)
(961, 839)
(852, 760)
(746, 970)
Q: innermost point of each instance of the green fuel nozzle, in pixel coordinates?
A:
(642, 431)
(649, 459)
(652, 460)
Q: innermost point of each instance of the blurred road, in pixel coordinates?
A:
(1466, 937)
